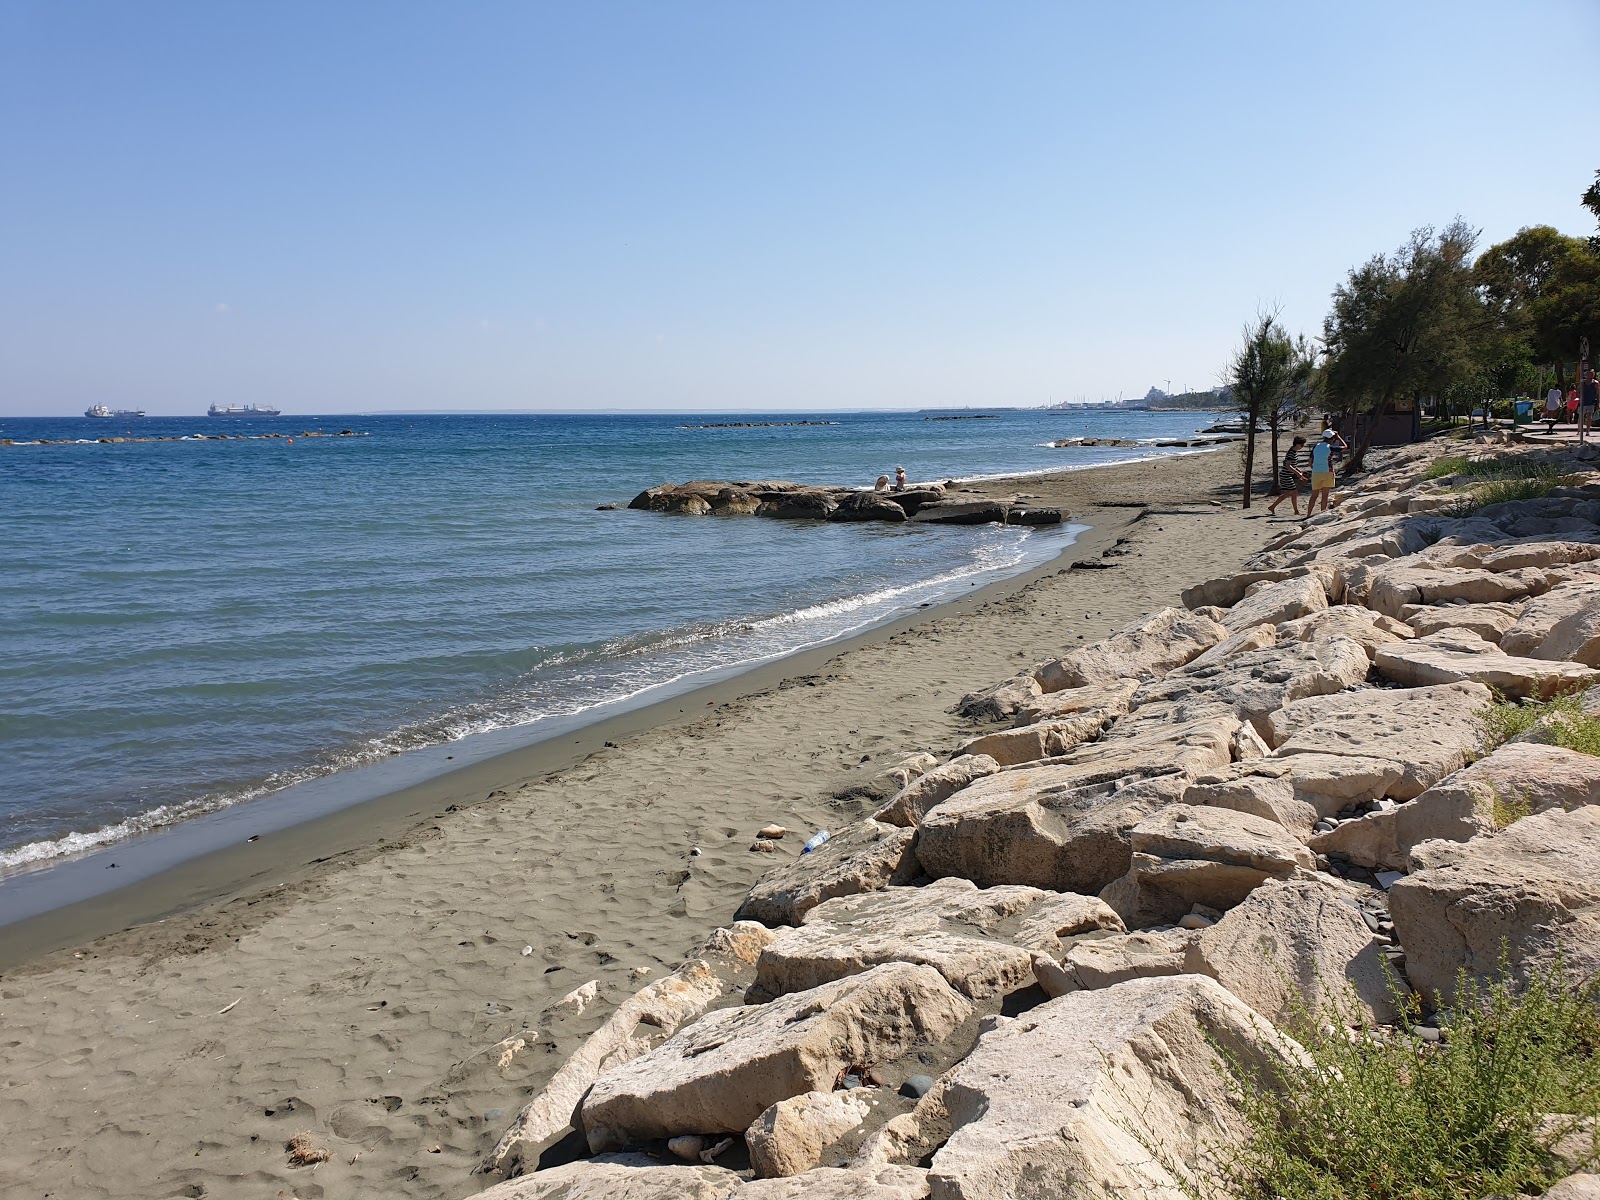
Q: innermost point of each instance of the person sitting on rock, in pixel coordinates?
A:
(882, 485)
(899, 479)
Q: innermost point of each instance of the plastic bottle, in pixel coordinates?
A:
(815, 840)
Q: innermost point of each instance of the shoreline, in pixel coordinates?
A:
(366, 989)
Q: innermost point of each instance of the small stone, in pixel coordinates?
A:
(1326, 826)
(639, 972)
(527, 950)
(771, 831)
(1387, 879)
(1426, 1032)
(1372, 921)
(851, 1082)
(1195, 921)
(917, 1086)
(687, 1147)
(762, 847)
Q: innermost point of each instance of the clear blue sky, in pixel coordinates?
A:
(342, 206)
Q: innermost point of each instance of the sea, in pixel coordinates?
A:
(199, 623)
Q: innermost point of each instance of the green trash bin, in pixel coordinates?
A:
(1522, 413)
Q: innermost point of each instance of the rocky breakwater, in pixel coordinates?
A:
(1017, 976)
(927, 503)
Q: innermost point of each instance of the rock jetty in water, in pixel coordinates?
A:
(926, 503)
(1018, 976)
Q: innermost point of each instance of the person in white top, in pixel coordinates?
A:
(1553, 404)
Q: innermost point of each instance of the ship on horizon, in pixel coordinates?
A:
(101, 412)
(242, 410)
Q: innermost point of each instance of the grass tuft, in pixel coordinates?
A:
(1381, 1115)
(1450, 464)
(1508, 812)
(1557, 722)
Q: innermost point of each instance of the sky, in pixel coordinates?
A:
(697, 206)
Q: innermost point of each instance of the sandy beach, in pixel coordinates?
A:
(354, 978)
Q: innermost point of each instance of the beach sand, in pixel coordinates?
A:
(362, 998)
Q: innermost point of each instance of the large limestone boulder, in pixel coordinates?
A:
(1575, 638)
(933, 787)
(620, 1177)
(1397, 585)
(1189, 738)
(1186, 855)
(951, 925)
(879, 1182)
(1452, 655)
(1042, 826)
(1030, 743)
(1295, 945)
(1298, 790)
(1227, 590)
(1525, 776)
(721, 965)
(1430, 731)
(1488, 621)
(1001, 701)
(1253, 637)
(1104, 962)
(1367, 629)
(1110, 699)
(1065, 1100)
(1274, 603)
(862, 858)
(1563, 603)
(729, 1067)
(1531, 890)
(1145, 649)
(1258, 682)
(789, 1137)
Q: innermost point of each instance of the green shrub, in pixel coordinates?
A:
(1523, 483)
(1508, 812)
(1560, 722)
(1450, 464)
(1379, 1115)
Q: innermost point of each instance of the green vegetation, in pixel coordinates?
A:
(1270, 383)
(1560, 722)
(1512, 481)
(1379, 1115)
(1450, 464)
(1508, 812)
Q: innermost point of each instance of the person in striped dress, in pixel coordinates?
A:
(1290, 477)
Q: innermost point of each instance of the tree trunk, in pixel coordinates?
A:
(1274, 468)
(1249, 456)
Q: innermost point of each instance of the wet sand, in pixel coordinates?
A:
(350, 977)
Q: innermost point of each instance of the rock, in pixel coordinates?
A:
(1040, 826)
(1274, 603)
(1002, 701)
(912, 499)
(1430, 731)
(1367, 629)
(1185, 855)
(883, 1182)
(867, 506)
(1320, 786)
(1271, 798)
(1254, 637)
(731, 501)
(789, 1137)
(864, 857)
(1062, 916)
(620, 1177)
(1540, 616)
(576, 1001)
(687, 1148)
(1452, 655)
(1013, 747)
(771, 831)
(960, 512)
(1582, 1186)
(1296, 944)
(934, 787)
(719, 966)
(1488, 621)
(1574, 638)
(727, 1068)
(1061, 1101)
(1399, 584)
(1145, 649)
(1227, 590)
(949, 925)
(798, 506)
(1105, 962)
(1253, 684)
(1107, 699)
(1530, 889)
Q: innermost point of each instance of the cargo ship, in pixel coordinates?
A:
(103, 413)
(242, 410)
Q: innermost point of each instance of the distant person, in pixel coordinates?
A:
(882, 485)
(1290, 477)
(1572, 405)
(1322, 469)
(1588, 400)
(1554, 402)
(899, 479)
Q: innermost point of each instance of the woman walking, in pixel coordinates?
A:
(1290, 477)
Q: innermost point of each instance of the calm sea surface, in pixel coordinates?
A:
(190, 624)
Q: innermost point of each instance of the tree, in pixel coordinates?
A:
(1591, 201)
(1543, 289)
(1406, 324)
(1267, 378)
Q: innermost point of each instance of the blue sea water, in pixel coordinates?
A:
(195, 623)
